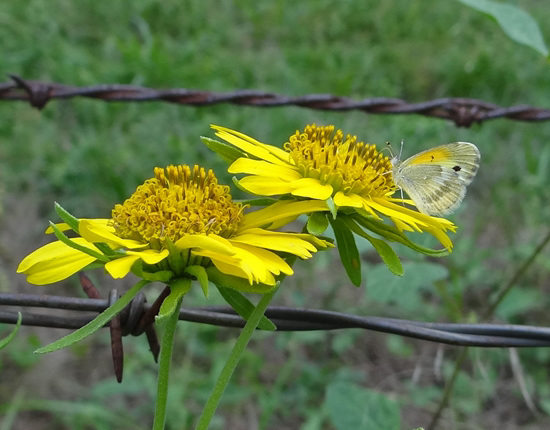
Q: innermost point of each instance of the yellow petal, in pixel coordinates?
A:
(275, 263)
(276, 241)
(54, 250)
(312, 188)
(264, 185)
(96, 232)
(401, 225)
(150, 256)
(241, 264)
(442, 237)
(285, 209)
(252, 146)
(351, 200)
(263, 168)
(54, 262)
(232, 269)
(230, 265)
(61, 226)
(120, 267)
(408, 216)
(64, 226)
(210, 242)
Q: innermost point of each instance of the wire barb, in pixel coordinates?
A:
(463, 111)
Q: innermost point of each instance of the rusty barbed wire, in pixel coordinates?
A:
(286, 319)
(462, 111)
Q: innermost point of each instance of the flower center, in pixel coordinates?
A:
(176, 202)
(349, 166)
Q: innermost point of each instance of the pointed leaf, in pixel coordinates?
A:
(69, 219)
(332, 207)
(199, 272)
(392, 233)
(388, 255)
(175, 258)
(237, 183)
(178, 288)
(227, 152)
(516, 23)
(63, 238)
(98, 322)
(244, 307)
(347, 249)
(317, 223)
(11, 336)
(106, 249)
(161, 276)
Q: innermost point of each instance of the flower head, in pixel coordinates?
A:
(321, 164)
(181, 218)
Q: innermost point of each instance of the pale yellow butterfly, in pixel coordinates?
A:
(436, 179)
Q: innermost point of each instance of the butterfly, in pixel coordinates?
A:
(436, 179)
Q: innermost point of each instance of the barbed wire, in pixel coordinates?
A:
(462, 111)
(286, 319)
(138, 316)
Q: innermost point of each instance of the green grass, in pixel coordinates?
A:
(90, 155)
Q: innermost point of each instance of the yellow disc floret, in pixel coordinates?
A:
(176, 202)
(345, 164)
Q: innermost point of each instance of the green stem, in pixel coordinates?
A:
(164, 366)
(519, 273)
(233, 360)
(486, 315)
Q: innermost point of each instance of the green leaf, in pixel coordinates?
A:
(232, 361)
(388, 255)
(244, 307)
(240, 284)
(69, 219)
(352, 407)
(160, 276)
(347, 250)
(176, 257)
(227, 152)
(237, 183)
(516, 23)
(105, 249)
(178, 288)
(317, 223)
(11, 336)
(63, 238)
(200, 273)
(392, 233)
(332, 207)
(94, 325)
(167, 346)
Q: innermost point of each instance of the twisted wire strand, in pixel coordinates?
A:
(286, 319)
(463, 111)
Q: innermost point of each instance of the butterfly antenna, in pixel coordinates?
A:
(389, 148)
(401, 149)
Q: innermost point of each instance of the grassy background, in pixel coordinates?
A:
(89, 155)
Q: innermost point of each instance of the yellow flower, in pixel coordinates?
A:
(321, 165)
(181, 218)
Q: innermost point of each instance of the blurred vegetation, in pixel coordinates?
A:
(89, 155)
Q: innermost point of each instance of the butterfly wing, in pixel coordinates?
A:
(436, 179)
